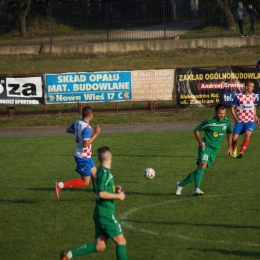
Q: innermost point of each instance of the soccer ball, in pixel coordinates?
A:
(149, 173)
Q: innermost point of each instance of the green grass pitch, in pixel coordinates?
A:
(222, 224)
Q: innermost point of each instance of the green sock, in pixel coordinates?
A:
(198, 177)
(121, 252)
(188, 179)
(84, 250)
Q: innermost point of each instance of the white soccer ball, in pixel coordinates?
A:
(149, 173)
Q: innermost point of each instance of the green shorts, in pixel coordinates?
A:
(107, 225)
(206, 155)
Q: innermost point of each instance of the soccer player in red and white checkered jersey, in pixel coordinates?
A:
(243, 109)
(83, 151)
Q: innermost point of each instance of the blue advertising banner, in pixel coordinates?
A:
(88, 87)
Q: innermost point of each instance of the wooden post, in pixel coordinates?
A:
(10, 111)
(80, 107)
(151, 106)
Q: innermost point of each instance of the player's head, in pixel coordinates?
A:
(249, 86)
(104, 154)
(240, 4)
(87, 111)
(220, 112)
(250, 6)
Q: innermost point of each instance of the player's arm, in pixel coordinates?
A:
(234, 103)
(70, 131)
(229, 139)
(256, 117)
(111, 196)
(197, 136)
(119, 189)
(89, 141)
(233, 112)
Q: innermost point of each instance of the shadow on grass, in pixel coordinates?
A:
(239, 253)
(152, 194)
(18, 201)
(159, 223)
(64, 190)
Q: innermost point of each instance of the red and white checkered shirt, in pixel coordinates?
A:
(245, 105)
(87, 152)
(83, 131)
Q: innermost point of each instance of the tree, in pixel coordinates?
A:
(24, 7)
(224, 6)
(174, 9)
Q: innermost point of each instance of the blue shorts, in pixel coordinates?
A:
(240, 127)
(84, 165)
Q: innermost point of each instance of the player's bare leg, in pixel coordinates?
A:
(244, 144)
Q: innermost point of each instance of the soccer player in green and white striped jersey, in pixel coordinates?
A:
(214, 130)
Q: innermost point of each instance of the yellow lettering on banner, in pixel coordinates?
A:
(190, 77)
(61, 98)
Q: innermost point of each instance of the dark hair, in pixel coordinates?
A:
(248, 82)
(219, 106)
(86, 111)
(101, 152)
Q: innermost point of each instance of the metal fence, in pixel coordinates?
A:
(114, 21)
(113, 107)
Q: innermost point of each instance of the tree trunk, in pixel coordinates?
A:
(229, 16)
(24, 9)
(174, 10)
(23, 25)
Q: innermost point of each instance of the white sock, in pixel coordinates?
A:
(69, 255)
(61, 185)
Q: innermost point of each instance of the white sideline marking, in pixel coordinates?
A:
(129, 226)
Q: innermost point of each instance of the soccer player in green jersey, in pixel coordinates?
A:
(106, 223)
(214, 130)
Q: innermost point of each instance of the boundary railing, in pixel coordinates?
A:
(115, 21)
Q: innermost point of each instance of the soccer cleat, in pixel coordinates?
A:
(58, 189)
(240, 155)
(198, 192)
(234, 153)
(63, 255)
(178, 189)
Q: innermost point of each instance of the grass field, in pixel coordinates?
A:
(222, 224)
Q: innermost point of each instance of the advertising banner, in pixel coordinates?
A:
(15, 91)
(207, 87)
(143, 85)
(88, 87)
(152, 85)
